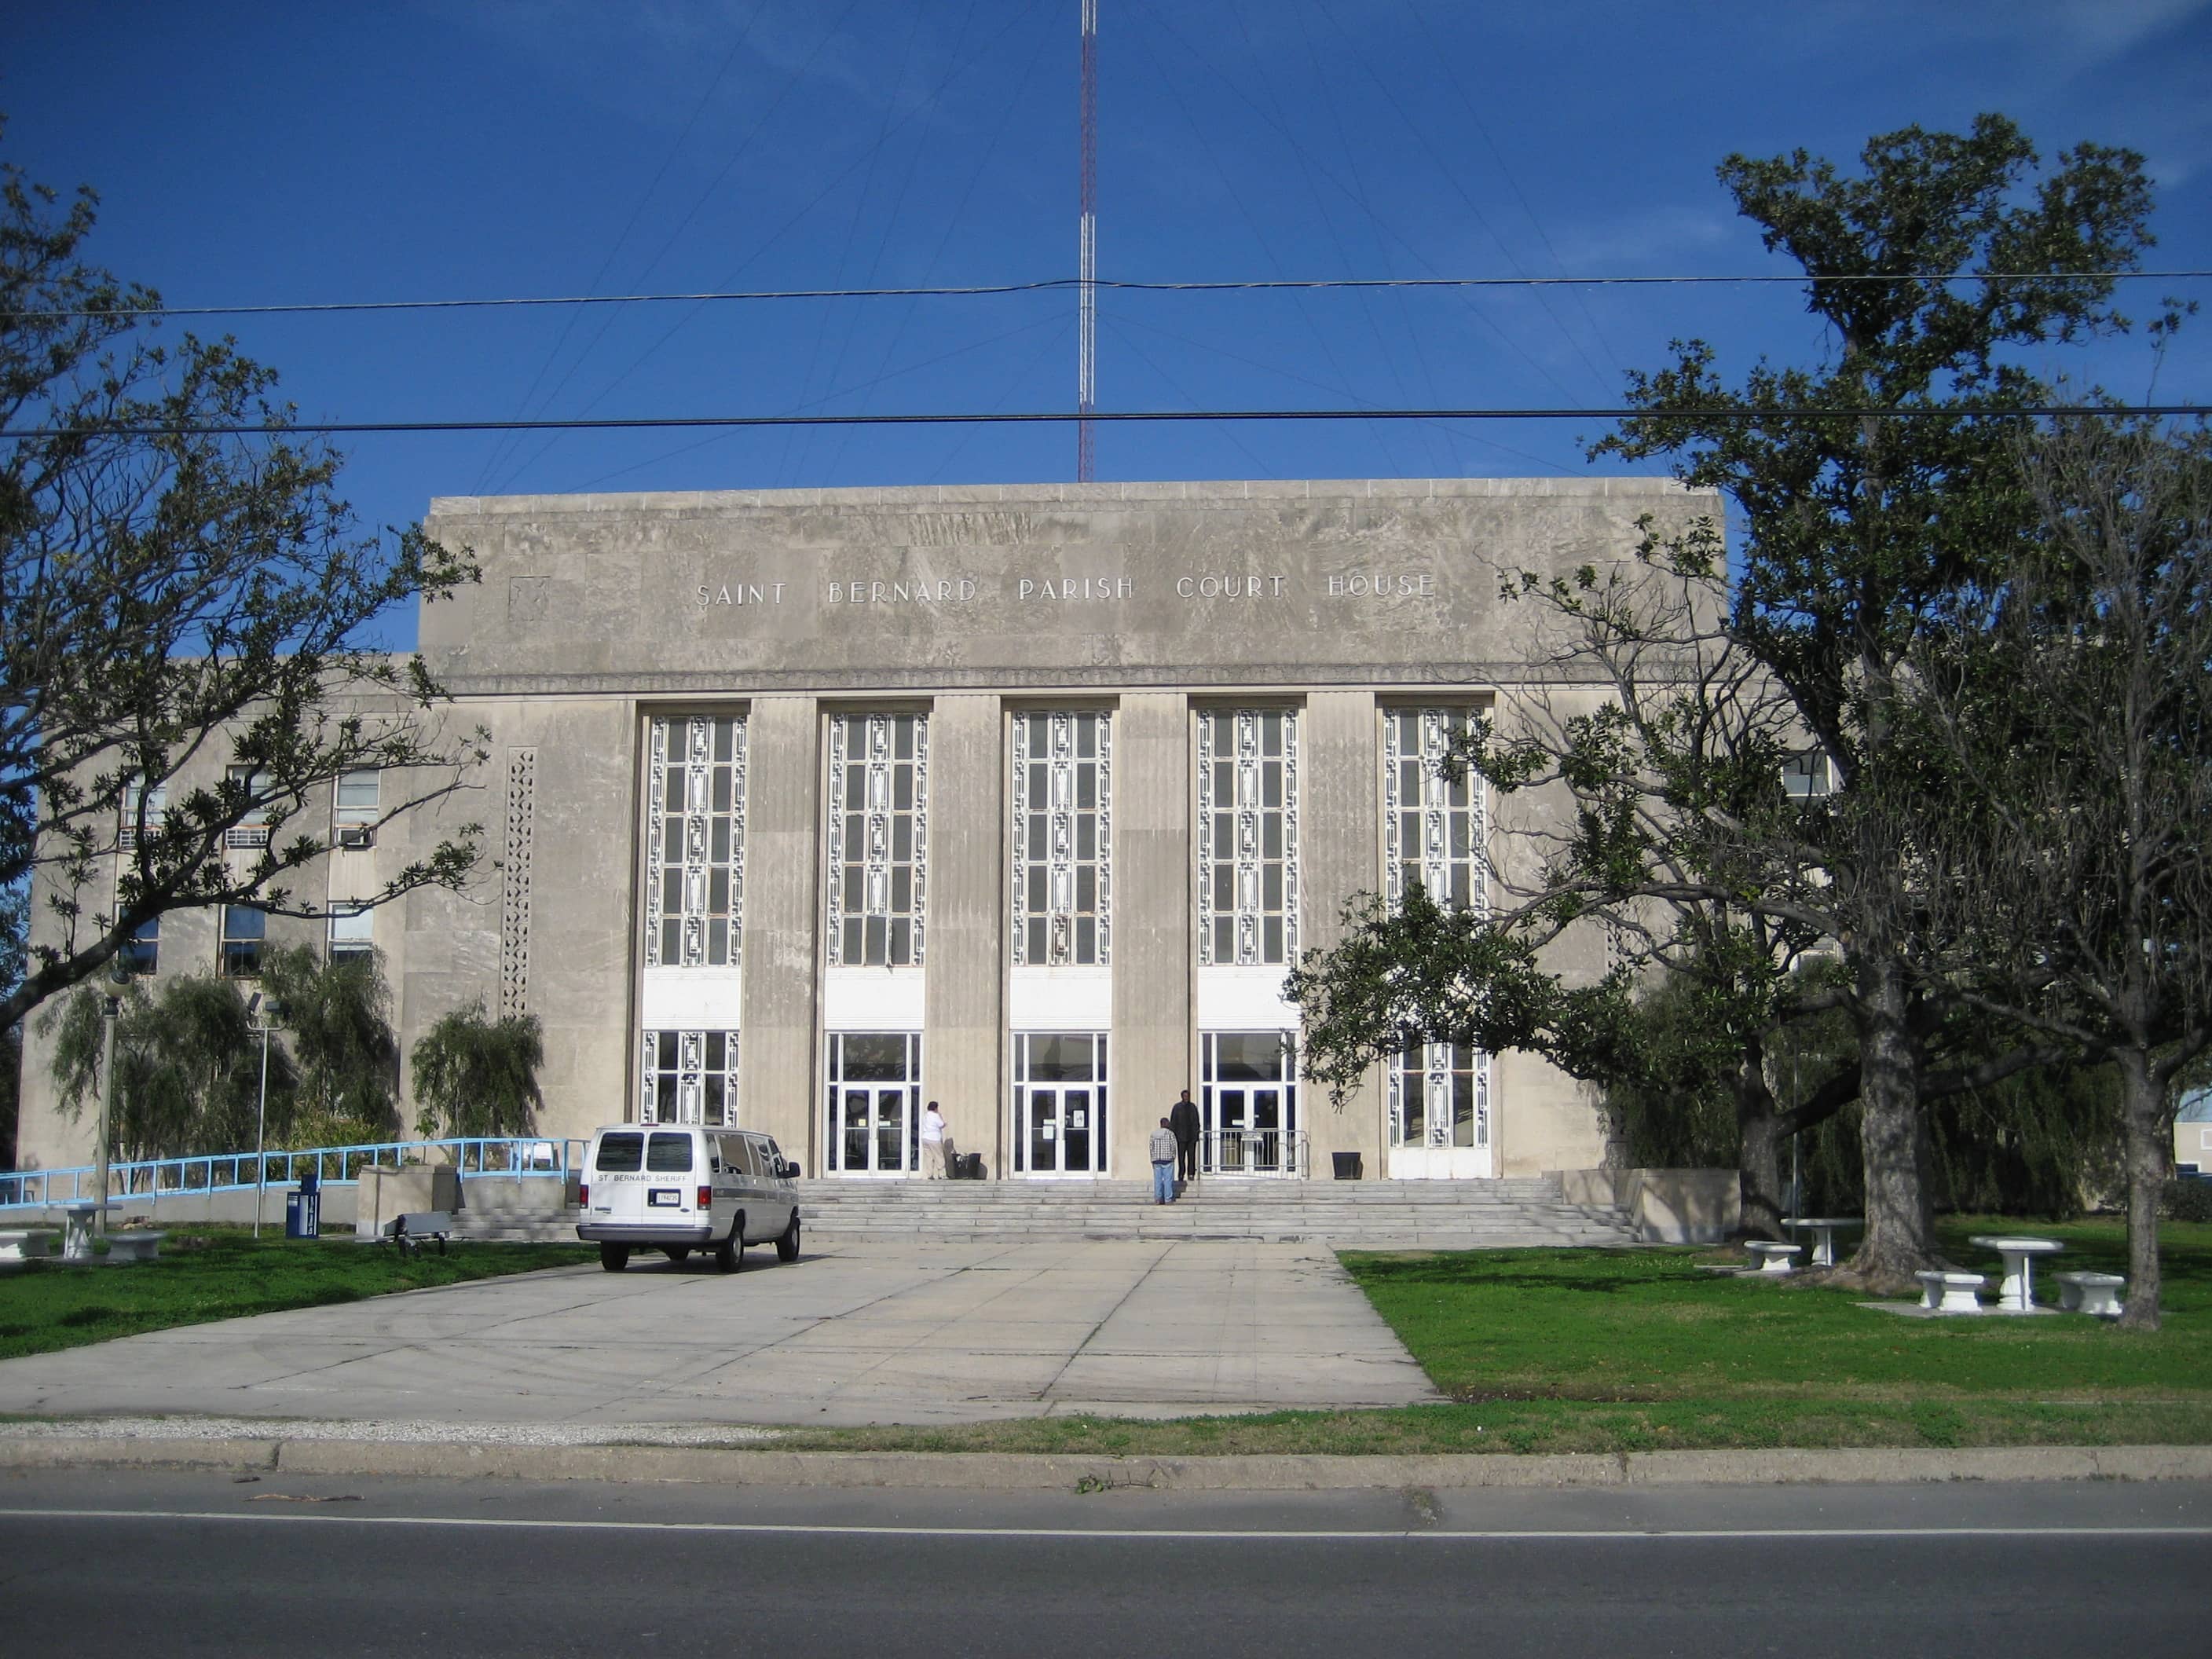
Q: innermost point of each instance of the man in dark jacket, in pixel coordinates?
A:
(1183, 1118)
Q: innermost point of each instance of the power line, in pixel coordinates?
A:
(1052, 284)
(1039, 417)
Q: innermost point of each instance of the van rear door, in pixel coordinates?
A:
(616, 1178)
(668, 1180)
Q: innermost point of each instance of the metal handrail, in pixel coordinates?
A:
(1279, 1153)
(524, 1157)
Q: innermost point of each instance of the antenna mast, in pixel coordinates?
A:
(1086, 287)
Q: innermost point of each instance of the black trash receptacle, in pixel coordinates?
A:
(311, 1179)
(303, 1213)
(1347, 1165)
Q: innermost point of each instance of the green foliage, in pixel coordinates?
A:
(187, 1068)
(475, 1075)
(181, 598)
(337, 1029)
(2186, 1200)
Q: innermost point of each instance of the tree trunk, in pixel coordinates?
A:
(1758, 1158)
(2143, 1100)
(1900, 1219)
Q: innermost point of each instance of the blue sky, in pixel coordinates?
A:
(308, 152)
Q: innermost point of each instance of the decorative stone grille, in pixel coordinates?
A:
(514, 888)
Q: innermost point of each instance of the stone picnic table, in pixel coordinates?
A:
(2016, 1292)
(1823, 1229)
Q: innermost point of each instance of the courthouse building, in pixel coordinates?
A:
(812, 805)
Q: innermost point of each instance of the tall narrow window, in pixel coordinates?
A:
(141, 807)
(688, 1076)
(1063, 863)
(351, 932)
(878, 839)
(1433, 827)
(695, 843)
(356, 797)
(244, 930)
(1435, 832)
(251, 830)
(142, 951)
(1248, 837)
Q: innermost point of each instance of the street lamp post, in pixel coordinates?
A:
(110, 1011)
(268, 1011)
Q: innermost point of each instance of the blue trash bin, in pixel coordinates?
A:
(303, 1213)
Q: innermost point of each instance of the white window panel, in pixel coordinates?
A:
(1063, 826)
(1435, 829)
(1248, 837)
(695, 843)
(878, 839)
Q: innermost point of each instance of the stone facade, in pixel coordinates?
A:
(751, 782)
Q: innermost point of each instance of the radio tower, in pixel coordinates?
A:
(1086, 259)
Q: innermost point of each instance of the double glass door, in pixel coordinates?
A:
(875, 1102)
(1249, 1105)
(1060, 1102)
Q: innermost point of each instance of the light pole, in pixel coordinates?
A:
(268, 1011)
(110, 1011)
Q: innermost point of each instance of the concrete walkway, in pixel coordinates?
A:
(863, 1333)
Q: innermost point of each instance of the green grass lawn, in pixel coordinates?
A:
(221, 1273)
(1608, 1351)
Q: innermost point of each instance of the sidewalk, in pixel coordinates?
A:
(861, 1333)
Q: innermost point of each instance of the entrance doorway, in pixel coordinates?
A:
(1060, 1102)
(875, 1102)
(1248, 1104)
(1440, 1114)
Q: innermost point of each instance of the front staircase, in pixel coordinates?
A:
(1382, 1215)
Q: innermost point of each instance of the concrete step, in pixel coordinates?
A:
(1377, 1215)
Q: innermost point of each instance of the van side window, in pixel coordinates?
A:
(668, 1154)
(619, 1154)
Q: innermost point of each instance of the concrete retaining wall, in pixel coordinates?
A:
(1668, 1206)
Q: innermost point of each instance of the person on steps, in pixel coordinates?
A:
(1183, 1118)
(1163, 1164)
(934, 1143)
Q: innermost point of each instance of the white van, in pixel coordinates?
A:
(677, 1187)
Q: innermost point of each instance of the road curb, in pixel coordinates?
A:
(1064, 1472)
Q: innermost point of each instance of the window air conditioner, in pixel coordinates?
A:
(356, 835)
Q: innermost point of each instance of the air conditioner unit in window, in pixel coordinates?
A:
(356, 835)
(246, 834)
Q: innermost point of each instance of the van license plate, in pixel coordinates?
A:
(665, 1197)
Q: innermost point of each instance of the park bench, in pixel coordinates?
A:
(408, 1231)
(138, 1245)
(27, 1244)
(1768, 1257)
(1948, 1292)
(2091, 1293)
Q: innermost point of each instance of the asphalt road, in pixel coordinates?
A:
(102, 1562)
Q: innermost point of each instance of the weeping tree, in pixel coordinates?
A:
(2077, 706)
(475, 1075)
(337, 1020)
(187, 1068)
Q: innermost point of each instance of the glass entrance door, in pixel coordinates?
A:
(1060, 1102)
(1249, 1105)
(875, 1102)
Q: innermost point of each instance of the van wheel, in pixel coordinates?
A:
(730, 1253)
(787, 1247)
(614, 1257)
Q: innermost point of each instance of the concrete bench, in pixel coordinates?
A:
(134, 1246)
(1768, 1257)
(27, 1244)
(408, 1231)
(2091, 1293)
(1942, 1292)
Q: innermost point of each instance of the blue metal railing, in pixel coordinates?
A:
(523, 1157)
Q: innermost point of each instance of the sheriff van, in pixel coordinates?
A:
(678, 1187)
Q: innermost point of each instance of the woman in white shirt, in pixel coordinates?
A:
(934, 1143)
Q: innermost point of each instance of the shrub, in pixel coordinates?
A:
(2186, 1200)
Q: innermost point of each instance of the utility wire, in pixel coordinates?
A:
(1048, 284)
(1033, 417)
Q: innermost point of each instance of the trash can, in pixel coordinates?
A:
(1347, 1165)
(303, 1213)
